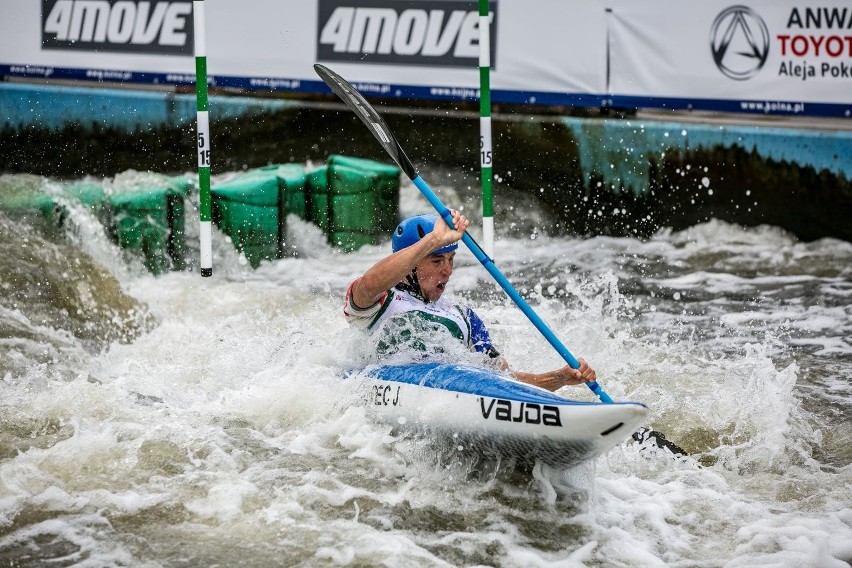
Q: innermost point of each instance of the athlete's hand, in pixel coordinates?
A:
(554, 380)
(585, 374)
(447, 236)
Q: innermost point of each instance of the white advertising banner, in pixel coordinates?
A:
(768, 55)
(625, 53)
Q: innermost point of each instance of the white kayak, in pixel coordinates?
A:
(487, 412)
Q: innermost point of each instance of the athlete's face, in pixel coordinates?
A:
(433, 273)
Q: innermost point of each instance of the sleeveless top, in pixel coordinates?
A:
(402, 322)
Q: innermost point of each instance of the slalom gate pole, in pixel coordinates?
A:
(203, 148)
(485, 151)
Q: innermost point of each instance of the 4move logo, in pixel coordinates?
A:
(138, 26)
(739, 40)
(428, 32)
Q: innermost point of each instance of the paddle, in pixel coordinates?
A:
(380, 130)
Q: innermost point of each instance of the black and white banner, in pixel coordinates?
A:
(765, 56)
(159, 26)
(436, 33)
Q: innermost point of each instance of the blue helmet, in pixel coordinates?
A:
(413, 229)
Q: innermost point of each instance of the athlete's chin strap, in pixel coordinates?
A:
(412, 285)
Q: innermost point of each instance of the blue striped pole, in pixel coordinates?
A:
(203, 148)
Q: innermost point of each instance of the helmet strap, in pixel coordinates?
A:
(412, 285)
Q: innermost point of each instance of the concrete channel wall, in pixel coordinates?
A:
(611, 175)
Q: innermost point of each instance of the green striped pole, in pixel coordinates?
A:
(485, 152)
(203, 123)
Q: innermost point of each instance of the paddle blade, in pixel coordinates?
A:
(368, 116)
(658, 439)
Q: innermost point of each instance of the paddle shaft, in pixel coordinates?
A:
(495, 273)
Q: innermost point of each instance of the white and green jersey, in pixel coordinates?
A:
(401, 321)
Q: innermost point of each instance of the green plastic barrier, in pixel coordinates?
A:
(363, 201)
(353, 200)
(88, 193)
(49, 197)
(353, 208)
(148, 221)
(385, 181)
(317, 198)
(252, 209)
(151, 223)
(294, 180)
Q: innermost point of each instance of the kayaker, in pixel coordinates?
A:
(400, 300)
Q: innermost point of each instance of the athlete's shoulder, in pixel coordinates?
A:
(351, 310)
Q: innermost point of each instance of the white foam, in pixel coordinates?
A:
(226, 427)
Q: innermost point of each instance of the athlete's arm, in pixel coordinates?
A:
(553, 380)
(389, 271)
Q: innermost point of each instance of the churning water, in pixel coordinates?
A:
(187, 421)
